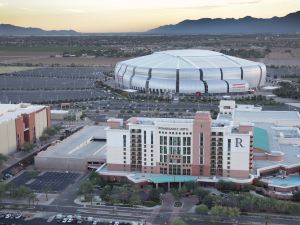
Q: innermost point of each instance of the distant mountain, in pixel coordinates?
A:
(247, 25)
(11, 30)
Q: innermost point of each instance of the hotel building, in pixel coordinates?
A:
(197, 147)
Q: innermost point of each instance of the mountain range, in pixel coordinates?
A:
(11, 30)
(247, 25)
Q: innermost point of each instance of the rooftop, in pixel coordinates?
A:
(188, 59)
(80, 145)
(261, 139)
(291, 153)
(12, 111)
(253, 116)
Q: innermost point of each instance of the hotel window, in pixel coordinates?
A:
(145, 137)
(188, 150)
(229, 145)
(151, 137)
(188, 141)
(124, 141)
(188, 159)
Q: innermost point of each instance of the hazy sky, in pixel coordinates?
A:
(132, 15)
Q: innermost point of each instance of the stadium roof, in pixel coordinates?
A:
(189, 59)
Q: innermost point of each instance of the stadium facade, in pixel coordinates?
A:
(189, 72)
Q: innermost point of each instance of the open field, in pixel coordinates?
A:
(12, 69)
(108, 50)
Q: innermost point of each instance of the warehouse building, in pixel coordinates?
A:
(190, 71)
(20, 123)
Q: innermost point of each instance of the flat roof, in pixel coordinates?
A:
(260, 139)
(251, 116)
(80, 145)
(291, 153)
(12, 111)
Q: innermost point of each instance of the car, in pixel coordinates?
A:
(69, 220)
(2, 216)
(18, 216)
(95, 222)
(64, 220)
(7, 216)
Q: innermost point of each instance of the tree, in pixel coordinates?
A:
(202, 209)
(211, 200)
(87, 190)
(46, 190)
(22, 192)
(296, 196)
(27, 147)
(178, 221)
(2, 190)
(135, 199)
(31, 198)
(176, 194)
(219, 212)
(3, 158)
(201, 193)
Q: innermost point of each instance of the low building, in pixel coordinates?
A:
(20, 123)
(66, 114)
(85, 149)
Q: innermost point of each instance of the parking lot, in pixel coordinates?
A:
(54, 182)
(19, 218)
(52, 85)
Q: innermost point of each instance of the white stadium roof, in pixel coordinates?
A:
(191, 58)
(189, 71)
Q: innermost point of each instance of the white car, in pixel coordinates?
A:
(64, 220)
(7, 216)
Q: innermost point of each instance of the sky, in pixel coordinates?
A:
(132, 15)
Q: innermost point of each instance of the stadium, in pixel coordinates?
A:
(189, 72)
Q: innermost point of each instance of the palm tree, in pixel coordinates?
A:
(46, 190)
(31, 198)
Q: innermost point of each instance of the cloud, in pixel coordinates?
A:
(76, 11)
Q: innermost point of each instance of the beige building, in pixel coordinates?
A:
(20, 123)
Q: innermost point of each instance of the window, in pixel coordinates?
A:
(151, 137)
(229, 145)
(188, 141)
(124, 141)
(145, 137)
(188, 159)
(188, 150)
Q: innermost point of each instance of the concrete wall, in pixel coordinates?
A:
(8, 139)
(69, 164)
(41, 122)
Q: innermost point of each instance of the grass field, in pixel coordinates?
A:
(11, 69)
(51, 49)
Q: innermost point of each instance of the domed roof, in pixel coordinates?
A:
(188, 59)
